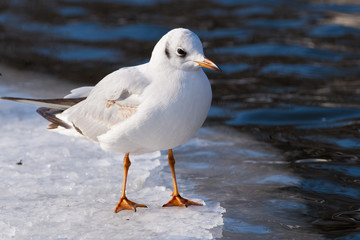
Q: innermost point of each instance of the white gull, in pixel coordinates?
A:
(134, 110)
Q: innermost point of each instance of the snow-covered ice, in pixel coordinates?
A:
(67, 188)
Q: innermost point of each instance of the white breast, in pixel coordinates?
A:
(170, 115)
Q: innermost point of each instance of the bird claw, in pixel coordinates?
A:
(126, 204)
(179, 201)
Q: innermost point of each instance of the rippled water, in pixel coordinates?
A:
(291, 80)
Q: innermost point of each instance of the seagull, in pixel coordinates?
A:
(140, 109)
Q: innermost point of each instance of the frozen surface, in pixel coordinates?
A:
(67, 188)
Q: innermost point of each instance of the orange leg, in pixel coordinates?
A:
(176, 199)
(124, 203)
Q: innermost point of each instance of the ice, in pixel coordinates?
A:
(67, 188)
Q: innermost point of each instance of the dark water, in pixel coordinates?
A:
(291, 79)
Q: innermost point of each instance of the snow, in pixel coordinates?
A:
(67, 188)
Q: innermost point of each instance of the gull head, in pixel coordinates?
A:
(181, 49)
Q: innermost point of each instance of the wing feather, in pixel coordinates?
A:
(113, 100)
(80, 92)
(59, 104)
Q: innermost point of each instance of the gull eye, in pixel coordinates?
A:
(180, 52)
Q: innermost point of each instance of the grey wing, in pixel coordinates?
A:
(50, 108)
(57, 103)
(113, 100)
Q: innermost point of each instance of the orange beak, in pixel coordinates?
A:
(209, 64)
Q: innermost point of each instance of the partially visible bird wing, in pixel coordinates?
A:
(50, 108)
(113, 100)
(59, 104)
(50, 115)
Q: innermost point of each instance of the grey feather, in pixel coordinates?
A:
(50, 115)
(59, 104)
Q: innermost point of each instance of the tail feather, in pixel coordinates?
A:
(58, 104)
(50, 108)
(50, 115)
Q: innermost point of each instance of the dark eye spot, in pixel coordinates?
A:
(180, 52)
(167, 53)
(167, 50)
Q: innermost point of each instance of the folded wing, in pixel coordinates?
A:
(112, 101)
(58, 104)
